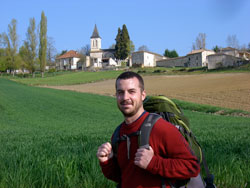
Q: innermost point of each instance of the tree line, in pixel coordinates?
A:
(33, 54)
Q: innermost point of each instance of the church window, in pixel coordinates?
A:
(96, 43)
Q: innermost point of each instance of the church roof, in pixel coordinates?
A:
(95, 33)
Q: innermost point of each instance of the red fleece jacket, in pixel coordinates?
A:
(172, 157)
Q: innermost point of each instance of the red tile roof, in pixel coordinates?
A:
(69, 54)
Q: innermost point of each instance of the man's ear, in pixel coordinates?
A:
(143, 95)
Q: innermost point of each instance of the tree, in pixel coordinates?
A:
(118, 44)
(143, 48)
(232, 41)
(28, 51)
(125, 39)
(43, 43)
(123, 44)
(131, 47)
(10, 42)
(112, 46)
(3, 65)
(51, 51)
(200, 42)
(170, 54)
(216, 49)
(85, 51)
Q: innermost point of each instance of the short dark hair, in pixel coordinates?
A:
(128, 75)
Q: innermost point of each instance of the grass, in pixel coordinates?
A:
(49, 138)
(210, 109)
(71, 78)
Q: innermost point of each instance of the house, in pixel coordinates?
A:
(145, 59)
(236, 53)
(220, 60)
(100, 57)
(68, 61)
(196, 58)
(173, 62)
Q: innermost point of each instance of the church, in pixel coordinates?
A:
(99, 57)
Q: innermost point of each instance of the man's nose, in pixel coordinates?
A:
(125, 95)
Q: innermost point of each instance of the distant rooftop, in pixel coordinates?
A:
(198, 51)
(69, 54)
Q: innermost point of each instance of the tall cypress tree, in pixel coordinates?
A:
(43, 43)
(118, 44)
(125, 40)
(123, 43)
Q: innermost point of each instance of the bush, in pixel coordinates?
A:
(52, 70)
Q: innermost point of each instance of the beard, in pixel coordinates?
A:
(130, 111)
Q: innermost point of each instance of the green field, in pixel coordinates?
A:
(49, 138)
(69, 78)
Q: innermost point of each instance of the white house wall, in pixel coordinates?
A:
(149, 60)
(204, 57)
(65, 63)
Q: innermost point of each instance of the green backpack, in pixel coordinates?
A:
(172, 113)
(162, 107)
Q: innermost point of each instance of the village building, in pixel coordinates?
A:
(196, 58)
(145, 59)
(68, 61)
(220, 60)
(236, 53)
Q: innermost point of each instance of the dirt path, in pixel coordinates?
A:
(230, 90)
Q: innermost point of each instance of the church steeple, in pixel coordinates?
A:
(95, 33)
(95, 40)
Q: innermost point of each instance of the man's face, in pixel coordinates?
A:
(129, 96)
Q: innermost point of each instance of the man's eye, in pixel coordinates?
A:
(119, 92)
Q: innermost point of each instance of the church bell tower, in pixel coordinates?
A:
(95, 40)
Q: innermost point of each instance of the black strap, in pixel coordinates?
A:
(115, 140)
(146, 128)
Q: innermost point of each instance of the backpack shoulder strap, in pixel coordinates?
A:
(146, 128)
(115, 139)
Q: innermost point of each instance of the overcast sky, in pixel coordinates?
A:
(158, 24)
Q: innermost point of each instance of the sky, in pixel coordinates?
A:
(158, 24)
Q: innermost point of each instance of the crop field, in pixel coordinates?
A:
(229, 90)
(49, 138)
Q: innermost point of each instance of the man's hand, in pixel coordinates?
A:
(143, 157)
(104, 152)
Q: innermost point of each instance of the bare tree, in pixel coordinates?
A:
(232, 41)
(143, 48)
(200, 42)
(84, 51)
(51, 51)
(112, 46)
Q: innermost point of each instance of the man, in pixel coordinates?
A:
(168, 157)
